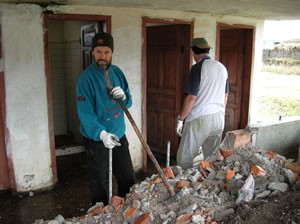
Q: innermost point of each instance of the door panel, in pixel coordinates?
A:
(4, 180)
(232, 56)
(4, 176)
(163, 70)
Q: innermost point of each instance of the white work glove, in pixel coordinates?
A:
(109, 140)
(179, 127)
(118, 93)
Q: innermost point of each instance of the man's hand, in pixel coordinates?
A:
(109, 140)
(179, 127)
(118, 93)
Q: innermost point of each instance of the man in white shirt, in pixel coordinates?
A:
(201, 120)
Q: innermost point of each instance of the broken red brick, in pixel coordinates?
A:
(143, 219)
(183, 183)
(271, 154)
(96, 211)
(240, 138)
(230, 174)
(257, 171)
(169, 172)
(129, 213)
(227, 186)
(226, 153)
(184, 218)
(205, 164)
(233, 140)
(117, 202)
(156, 180)
(295, 167)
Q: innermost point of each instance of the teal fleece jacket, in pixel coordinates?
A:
(97, 111)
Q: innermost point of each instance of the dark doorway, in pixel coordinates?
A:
(67, 52)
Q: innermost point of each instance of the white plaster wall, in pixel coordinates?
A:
(26, 147)
(26, 101)
(257, 66)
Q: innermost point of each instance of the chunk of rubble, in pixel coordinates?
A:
(205, 194)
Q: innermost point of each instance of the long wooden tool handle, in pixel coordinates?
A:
(145, 145)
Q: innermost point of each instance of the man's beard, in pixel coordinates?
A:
(103, 62)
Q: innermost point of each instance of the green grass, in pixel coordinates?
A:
(278, 101)
(287, 66)
(283, 106)
(282, 61)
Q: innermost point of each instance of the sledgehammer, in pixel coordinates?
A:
(147, 148)
(137, 131)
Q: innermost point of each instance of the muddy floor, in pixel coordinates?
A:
(70, 198)
(280, 209)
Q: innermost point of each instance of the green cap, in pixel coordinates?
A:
(200, 43)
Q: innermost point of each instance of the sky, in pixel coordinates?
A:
(282, 30)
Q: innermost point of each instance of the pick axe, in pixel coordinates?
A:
(139, 134)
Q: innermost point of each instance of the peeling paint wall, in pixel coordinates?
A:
(26, 101)
(27, 119)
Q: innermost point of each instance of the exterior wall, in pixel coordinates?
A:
(26, 100)
(256, 71)
(24, 66)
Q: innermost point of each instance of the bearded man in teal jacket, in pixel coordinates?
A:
(102, 122)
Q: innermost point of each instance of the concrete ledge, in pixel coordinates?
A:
(282, 136)
(70, 150)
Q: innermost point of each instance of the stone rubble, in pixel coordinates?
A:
(205, 194)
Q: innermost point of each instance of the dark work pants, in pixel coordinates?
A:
(98, 158)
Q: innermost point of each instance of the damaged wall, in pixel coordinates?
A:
(26, 101)
(24, 67)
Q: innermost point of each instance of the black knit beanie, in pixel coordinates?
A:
(103, 39)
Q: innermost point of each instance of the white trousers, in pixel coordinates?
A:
(205, 131)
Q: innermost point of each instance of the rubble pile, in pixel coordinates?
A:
(207, 193)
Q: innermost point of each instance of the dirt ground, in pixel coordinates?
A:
(280, 209)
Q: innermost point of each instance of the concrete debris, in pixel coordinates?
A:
(207, 193)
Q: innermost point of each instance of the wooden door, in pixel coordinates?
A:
(4, 178)
(232, 55)
(165, 64)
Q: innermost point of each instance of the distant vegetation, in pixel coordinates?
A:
(283, 106)
(283, 59)
(286, 66)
